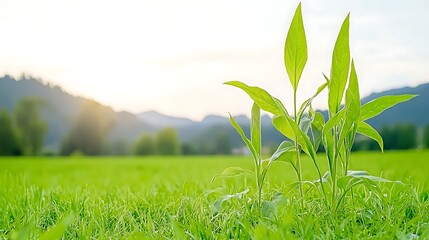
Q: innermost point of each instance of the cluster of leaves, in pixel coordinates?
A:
(307, 129)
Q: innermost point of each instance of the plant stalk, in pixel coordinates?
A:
(258, 180)
(334, 172)
(298, 159)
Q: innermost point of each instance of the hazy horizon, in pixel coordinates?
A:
(173, 57)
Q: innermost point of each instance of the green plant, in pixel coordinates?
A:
(307, 129)
(285, 151)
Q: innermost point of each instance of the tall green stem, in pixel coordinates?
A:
(298, 157)
(258, 180)
(334, 172)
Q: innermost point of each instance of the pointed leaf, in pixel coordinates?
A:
(332, 122)
(328, 135)
(231, 172)
(340, 68)
(308, 102)
(366, 130)
(305, 124)
(285, 152)
(377, 106)
(364, 176)
(303, 140)
(295, 54)
(326, 78)
(243, 136)
(352, 106)
(261, 97)
(216, 207)
(318, 121)
(255, 129)
(316, 129)
(290, 129)
(283, 126)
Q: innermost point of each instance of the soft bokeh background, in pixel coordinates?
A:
(172, 56)
(145, 77)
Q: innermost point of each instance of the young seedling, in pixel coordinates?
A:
(285, 152)
(307, 128)
(294, 128)
(338, 134)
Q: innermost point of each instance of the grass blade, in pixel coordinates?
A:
(59, 229)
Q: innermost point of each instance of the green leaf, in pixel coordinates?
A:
(328, 135)
(305, 124)
(316, 129)
(243, 136)
(295, 54)
(281, 121)
(21, 233)
(326, 78)
(285, 152)
(332, 122)
(59, 229)
(366, 130)
(231, 172)
(261, 97)
(282, 125)
(340, 68)
(217, 206)
(303, 140)
(255, 129)
(352, 106)
(288, 127)
(354, 176)
(377, 106)
(308, 102)
(178, 231)
(318, 121)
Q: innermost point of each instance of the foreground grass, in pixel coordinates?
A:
(174, 197)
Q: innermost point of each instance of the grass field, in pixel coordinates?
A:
(174, 197)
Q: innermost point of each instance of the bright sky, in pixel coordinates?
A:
(173, 56)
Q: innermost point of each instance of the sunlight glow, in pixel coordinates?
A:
(173, 56)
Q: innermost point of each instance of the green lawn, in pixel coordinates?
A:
(174, 197)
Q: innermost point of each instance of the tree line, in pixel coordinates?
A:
(22, 132)
(397, 137)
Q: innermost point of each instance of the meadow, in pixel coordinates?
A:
(175, 197)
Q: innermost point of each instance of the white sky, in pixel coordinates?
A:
(173, 56)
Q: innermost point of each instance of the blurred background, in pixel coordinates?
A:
(41, 119)
(145, 78)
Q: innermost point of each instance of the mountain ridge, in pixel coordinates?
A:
(129, 126)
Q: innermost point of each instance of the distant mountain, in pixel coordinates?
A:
(64, 107)
(159, 120)
(62, 110)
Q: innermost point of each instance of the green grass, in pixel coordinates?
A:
(173, 197)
